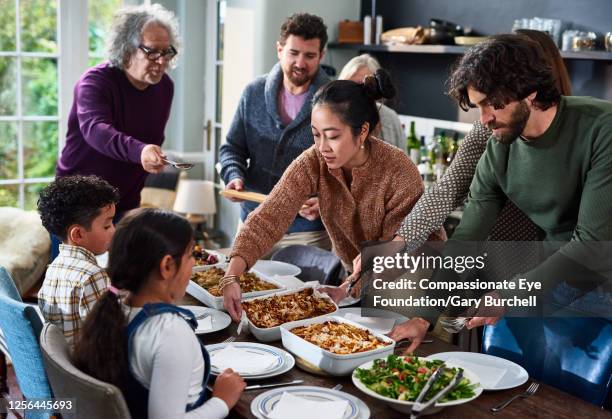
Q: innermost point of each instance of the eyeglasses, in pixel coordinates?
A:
(154, 54)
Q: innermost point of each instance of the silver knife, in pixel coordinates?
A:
(259, 386)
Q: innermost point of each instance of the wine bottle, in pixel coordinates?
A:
(413, 146)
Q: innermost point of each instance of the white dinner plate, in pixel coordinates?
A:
(283, 363)
(262, 405)
(220, 320)
(513, 374)
(275, 267)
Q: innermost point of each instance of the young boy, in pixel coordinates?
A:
(79, 210)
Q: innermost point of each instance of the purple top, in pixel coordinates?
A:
(289, 105)
(109, 124)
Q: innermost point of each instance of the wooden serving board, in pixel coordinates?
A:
(247, 196)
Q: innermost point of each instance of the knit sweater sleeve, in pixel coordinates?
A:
(267, 224)
(93, 97)
(485, 199)
(440, 199)
(234, 153)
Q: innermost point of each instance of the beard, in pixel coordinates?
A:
(514, 127)
(299, 79)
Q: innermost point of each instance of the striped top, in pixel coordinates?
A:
(73, 283)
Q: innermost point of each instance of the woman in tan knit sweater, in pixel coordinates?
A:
(365, 186)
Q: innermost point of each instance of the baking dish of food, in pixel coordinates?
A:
(334, 344)
(267, 313)
(204, 285)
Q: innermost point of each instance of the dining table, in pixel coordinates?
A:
(547, 402)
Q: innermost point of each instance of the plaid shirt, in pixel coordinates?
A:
(73, 283)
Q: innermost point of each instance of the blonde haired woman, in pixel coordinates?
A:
(390, 127)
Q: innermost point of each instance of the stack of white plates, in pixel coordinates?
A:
(263, 404)
(283, 360)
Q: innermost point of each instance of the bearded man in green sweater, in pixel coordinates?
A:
(551, 155)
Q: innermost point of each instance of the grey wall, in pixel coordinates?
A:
(421, 77)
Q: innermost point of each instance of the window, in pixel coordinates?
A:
(30, 104)
(99, 23)
(29, 112)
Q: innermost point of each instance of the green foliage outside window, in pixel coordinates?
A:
(39, 79)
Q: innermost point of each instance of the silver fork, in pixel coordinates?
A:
(229, 340)
(454, 325)
(529, 392)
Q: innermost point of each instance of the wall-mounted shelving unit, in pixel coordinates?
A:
(456, 49)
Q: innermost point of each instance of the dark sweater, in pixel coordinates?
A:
(109, 124)
(258, 134)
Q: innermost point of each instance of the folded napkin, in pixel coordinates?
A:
(205, 324)
(294, 407)
(376, 324)
(241, 360)
(489, 376)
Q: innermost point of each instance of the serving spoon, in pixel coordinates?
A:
(178, 165)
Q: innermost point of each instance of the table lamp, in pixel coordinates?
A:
(196, 199)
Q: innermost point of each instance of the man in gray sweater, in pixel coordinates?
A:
(271, 126)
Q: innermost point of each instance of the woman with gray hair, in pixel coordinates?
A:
(121, 107)
(390, 128)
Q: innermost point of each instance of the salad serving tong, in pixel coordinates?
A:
(420, 407)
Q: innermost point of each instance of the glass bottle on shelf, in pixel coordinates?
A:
(413, 146)
(452, 148)
(438, 152)
(423, 150)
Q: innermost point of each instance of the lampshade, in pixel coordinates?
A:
(195, 197)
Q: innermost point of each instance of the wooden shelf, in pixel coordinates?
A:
(458, 50)
(414, 49)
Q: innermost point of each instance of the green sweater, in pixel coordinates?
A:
(562, 181)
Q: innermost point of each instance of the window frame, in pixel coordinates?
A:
(19, 118)
(72, 35)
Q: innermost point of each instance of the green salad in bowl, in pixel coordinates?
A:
(398, 380)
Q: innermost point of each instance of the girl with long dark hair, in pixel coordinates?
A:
(138, 340)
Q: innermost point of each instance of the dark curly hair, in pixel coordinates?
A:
(505, 68)
(74, 200)
(305, 26)
(142, 239)
(355, 103)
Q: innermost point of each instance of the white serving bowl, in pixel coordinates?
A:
(221, 261)
(203, 295)
(405, 406)
(271, 334)
(331, 363)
